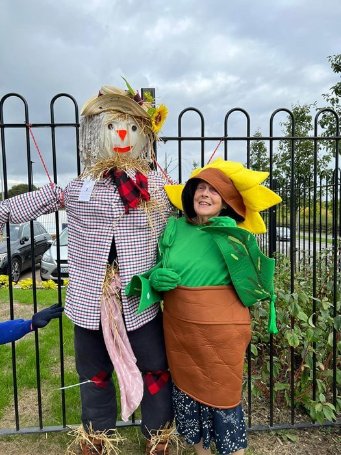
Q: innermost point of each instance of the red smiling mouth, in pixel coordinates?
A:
(122, 149)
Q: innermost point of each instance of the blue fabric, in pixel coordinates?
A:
(196, 421)
(13, 330)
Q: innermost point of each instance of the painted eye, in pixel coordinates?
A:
(110, 126)
(134, 127)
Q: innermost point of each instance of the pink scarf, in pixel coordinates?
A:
(119, 349)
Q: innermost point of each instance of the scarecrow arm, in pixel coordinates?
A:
(30, 205)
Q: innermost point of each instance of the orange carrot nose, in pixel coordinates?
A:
(122, 134)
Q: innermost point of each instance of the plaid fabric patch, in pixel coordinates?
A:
(101, 379)
(156, 380)
(130, 192)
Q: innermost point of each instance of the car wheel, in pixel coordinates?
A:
(16, 269)
(42, 278)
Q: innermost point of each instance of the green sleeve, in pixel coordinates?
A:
(140, 286)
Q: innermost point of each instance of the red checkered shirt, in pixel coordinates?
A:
(92, 226)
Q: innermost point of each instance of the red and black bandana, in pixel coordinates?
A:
(131, 193)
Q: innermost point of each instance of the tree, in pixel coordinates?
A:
(303, 156)
(333, 99)
(20, 189)
(259, 157)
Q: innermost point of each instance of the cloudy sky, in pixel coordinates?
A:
(213, 55)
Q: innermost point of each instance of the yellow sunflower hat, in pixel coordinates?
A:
(248, 182)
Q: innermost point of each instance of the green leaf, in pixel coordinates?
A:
(151, 111)
(338, 377)
(322, 398)
(280, 386)
(318, 407)
(291, 437)
(310, 321)
(302, 316)
(129, 87)
(331, 339)
(292, 338)
(326, 304)
(337, 322)
(254, 349)
(328, 413)
(330, 405)
(148, 96)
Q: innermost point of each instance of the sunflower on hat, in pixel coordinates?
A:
(157, 114)
(256, 197)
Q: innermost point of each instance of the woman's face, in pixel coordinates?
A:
(207, 202)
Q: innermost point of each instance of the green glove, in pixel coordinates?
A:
(164, 279)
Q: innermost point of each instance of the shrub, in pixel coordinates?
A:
(49, 284)
(4, 281)
(305, 339)
(27, 283)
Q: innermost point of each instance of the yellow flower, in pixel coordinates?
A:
(158, 118)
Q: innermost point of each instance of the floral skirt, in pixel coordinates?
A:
(196, 421)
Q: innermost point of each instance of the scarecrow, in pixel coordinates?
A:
(116, 210)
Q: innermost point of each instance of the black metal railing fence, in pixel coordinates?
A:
(305, 231)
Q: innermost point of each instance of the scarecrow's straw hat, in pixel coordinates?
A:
(114, 99)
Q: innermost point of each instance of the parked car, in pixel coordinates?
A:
(20, 248)
(283, 233)
(49, 265)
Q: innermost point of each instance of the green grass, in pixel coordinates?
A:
(49, 364)
(25, 296)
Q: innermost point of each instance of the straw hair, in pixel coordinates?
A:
(109, 440)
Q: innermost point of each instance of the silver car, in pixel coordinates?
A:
(49, 266)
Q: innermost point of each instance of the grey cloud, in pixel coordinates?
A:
(212, 55)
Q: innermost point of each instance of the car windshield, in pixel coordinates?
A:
(14, 231)
(63, 238)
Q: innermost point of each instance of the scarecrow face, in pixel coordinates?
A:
(126, 138)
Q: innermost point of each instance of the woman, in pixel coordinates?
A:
(207, 270)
